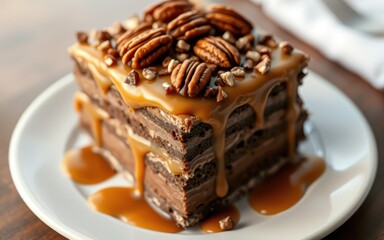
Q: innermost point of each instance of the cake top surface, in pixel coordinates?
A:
(186, 60)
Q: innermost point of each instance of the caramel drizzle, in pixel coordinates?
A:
(140, 147)
(281, 191)
(96, 115)
(124, 204)
(253, 90)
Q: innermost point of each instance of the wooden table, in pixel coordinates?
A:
(33, 41)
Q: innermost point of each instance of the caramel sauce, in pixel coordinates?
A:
(96, 115)
(253, 89)
(211, 223)
(140, 147)
(124, 204)
(86, 166)
(284, 189)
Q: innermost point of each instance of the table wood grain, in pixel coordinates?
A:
(34, 36)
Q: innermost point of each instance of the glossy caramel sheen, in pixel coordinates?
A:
(211, 223)
(85, 166)
(253, 90)
(283, 190)
(124, 204)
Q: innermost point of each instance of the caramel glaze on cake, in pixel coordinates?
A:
(190, 95)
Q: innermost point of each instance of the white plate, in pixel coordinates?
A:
(336, 130)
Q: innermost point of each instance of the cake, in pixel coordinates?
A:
(195, 104)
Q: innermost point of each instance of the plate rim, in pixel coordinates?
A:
(66, 231)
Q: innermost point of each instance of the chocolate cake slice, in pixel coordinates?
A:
(193, 103)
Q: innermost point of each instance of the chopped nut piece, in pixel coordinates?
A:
(166, 61)
(102, 36)
(243, 44)
(253, 55)
(248, 64)
(228, 36)
(182, 57)
(116, 30)
(228, 78)
(82, 37)
(172, 64)
(133, 78)
(132, 22)
(263, 66)
(238, 72)
(226, 223)
(221, 95)
(113, 52)
(182, 46)
(104, 46)
(267, 40)
(286, 48)
(163, 72)
(149, 73)
(210, 92)
(109, 61)
(168, 88)
(219, 82)
(263, 49)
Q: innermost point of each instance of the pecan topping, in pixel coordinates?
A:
(226, 19)
(221, 95)
(133, 78)
(168, 88)
(129, 34)
(167, 10)
(286, 48)
(217, 51)
(228, 78)
(189, 25)
(226, 224)
(190, 77)
(263, 66)
(149, 73)
(145, 48)
(267, 40)
(238, 72)
(82, 37)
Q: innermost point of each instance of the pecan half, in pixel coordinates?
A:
(145, 48)
(129, 34)
(226, 19)
(190, 77)
(167, 10)
(189, 25)
(217, 51)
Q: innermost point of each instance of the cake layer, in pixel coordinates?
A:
(188, 199)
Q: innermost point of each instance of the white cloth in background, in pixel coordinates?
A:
(311, 21)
